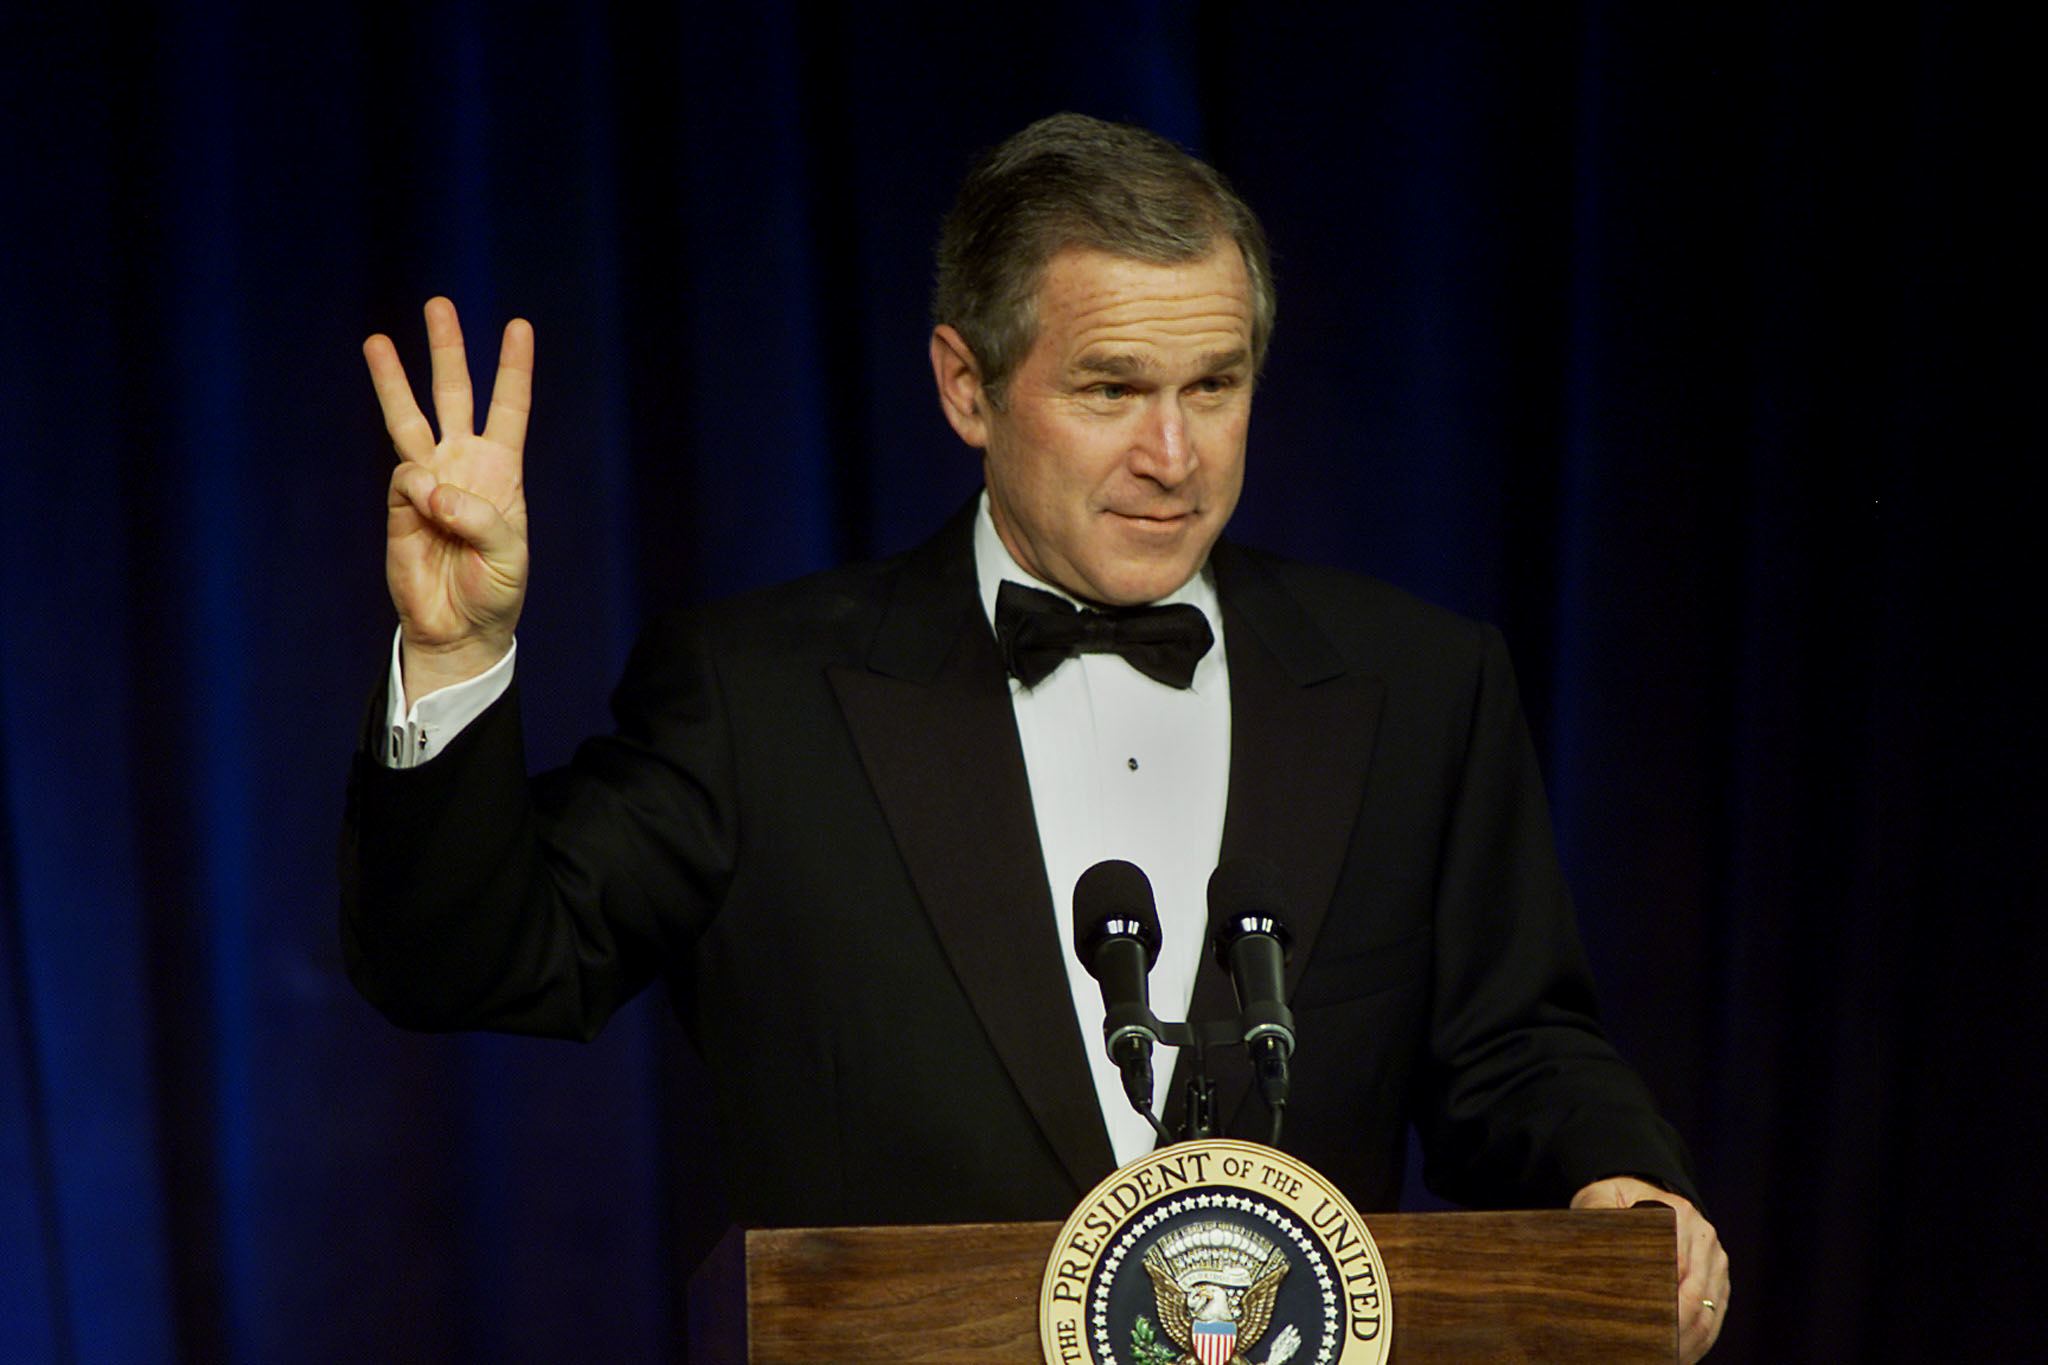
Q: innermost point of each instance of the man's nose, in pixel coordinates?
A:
(1165, 449)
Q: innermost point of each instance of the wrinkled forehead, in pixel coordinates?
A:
(1219, 251)
(1092, 299)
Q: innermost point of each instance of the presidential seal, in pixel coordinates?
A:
(1215, 1252)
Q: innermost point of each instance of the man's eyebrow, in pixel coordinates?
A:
(1128, 365)
(1235, 358)
(1113, 364)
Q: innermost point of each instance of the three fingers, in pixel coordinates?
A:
(417, 481)
(454, 408)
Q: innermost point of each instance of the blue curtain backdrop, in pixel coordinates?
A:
(1687, 346)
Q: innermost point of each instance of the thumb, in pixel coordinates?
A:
(474, 519)
(1601, 1194)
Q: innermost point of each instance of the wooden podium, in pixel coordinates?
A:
(1593, 1285)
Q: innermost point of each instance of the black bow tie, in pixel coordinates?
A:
(1037, 630)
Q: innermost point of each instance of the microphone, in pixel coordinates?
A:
(1250, 938)
(1116, 936)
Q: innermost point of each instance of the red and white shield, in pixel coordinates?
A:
(1214, 1342)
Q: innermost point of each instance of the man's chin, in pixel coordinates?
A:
(1134, 586)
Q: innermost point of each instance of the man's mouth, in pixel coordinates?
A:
(1156, 518)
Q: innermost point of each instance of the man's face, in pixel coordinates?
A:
(1119, 452)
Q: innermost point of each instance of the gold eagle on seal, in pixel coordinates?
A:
(1209, 1278)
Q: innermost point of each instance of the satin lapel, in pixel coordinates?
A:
(931, 717)
(1301, 736)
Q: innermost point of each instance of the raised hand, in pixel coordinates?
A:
(455, 553)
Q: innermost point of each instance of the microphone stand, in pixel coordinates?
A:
(1198, 1113)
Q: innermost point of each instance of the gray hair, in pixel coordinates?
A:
(1074, 181)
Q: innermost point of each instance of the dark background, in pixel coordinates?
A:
(1684, 343)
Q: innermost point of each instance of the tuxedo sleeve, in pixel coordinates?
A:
(1526, 1099)
(475, 898)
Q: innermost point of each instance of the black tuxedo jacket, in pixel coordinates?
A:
(814, 823)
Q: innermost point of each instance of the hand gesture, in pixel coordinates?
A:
(455, 553)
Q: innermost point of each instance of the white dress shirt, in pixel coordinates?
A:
(1124, 767)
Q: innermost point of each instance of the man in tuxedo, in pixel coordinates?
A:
(843, 818)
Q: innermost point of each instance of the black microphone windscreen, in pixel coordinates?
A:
(1113, 899)
(1246, 895)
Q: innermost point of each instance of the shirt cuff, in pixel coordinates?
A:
(419, 735)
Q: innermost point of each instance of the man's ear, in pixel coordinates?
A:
(961, 396)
